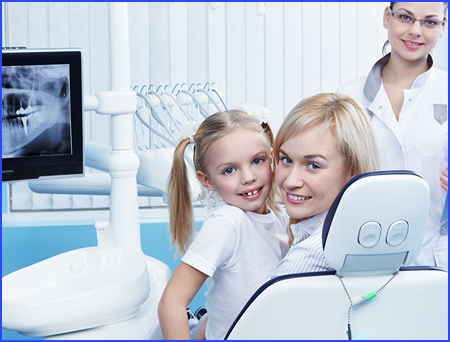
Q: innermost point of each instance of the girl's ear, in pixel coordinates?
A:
(204, 179)
(386, 18)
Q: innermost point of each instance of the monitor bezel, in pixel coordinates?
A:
(51, 166)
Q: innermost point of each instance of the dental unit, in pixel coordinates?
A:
(110, 291)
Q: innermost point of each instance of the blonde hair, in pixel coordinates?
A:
(179, 199)
(345, 119)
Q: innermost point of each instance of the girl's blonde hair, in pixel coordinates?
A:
(179, 199)
(345, 119)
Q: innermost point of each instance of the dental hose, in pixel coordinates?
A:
(362, 300)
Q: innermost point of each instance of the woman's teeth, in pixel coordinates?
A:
(297, 198)
(410, 43)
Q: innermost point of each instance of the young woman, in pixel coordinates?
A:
(242, 239)
(406, 97)
(323, 142)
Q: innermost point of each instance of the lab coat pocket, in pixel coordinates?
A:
(431, 136)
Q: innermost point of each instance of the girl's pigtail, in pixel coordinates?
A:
(269, 133)
(179, 200)
(274, 199)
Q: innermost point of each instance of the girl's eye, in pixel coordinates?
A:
(228, 171)
(258, 161)
(286, 160)
(313, 166)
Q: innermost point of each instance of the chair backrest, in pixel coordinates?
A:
(375, 227)
(376, 223)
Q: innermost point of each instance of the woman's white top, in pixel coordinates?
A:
(238, 250)
(417, 141)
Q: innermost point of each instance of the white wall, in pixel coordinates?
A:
(295, 50)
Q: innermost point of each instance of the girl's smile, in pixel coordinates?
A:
(251, 194)
(239, 168)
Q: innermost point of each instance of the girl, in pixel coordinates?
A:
(241, 241)
(407, 97)
(323, 142)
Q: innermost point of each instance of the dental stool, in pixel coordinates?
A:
(373, 229)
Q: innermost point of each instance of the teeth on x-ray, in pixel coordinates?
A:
(34, 98)
(24, 123)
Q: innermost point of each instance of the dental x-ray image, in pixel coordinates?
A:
(35, 110)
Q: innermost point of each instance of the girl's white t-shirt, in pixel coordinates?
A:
(239, 251)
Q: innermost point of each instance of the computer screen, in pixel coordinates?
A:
(42, 114)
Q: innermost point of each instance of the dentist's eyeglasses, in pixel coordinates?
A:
(405, 19)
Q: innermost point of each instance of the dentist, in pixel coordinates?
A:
(406, 97)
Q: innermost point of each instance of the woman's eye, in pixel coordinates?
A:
(228, 171)
(431, 22)
(258, 161)
(286, 160)
(405, 17)
(313, 166)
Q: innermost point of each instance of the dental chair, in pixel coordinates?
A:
(373, 230)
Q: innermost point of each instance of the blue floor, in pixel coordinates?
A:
(24, 246)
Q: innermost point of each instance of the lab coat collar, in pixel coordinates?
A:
(374, 81)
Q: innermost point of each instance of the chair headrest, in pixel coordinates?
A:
(376, 223)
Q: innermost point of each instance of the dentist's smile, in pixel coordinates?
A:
(412, 45)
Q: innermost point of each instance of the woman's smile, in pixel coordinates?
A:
(310, 172)
(296, 199)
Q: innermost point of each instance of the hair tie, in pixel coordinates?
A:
(260, 113)
(187, 130)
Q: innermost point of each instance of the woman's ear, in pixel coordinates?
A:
(443, 28)
(386, 18)
(205, 181)
(350, 173)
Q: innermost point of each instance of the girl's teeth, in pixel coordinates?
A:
(251, 193)
(297, 198)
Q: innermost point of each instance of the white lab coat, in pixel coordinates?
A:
(417, 142)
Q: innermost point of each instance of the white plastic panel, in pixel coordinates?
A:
(413, 306)
(386, 199)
